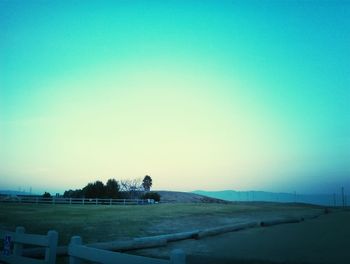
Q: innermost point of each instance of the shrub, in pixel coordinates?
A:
(152, 195)
(47, 195)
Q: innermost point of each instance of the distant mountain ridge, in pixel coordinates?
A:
(11, 192)
(231, 195)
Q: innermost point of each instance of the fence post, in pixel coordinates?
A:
(18, 247)
(37, 200)
(53, 200)
(96, 201)
(74, 241)
(124, 201)
(110, 201)
(51, 250)
(177, 256)
(83, 201)
(70, 200)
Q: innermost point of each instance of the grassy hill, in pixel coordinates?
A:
(260, 196)
(187, 197)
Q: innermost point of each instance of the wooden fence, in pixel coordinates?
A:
(102, 252)
(20, 238)
(81, 201)
(77, 252)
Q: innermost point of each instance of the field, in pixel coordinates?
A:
(105, 223)
(97, 223)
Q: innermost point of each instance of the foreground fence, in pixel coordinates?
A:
(20, 238)
(77, 252)
(103, 252)
(13, 251)
(63, 200)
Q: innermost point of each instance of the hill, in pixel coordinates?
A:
(186, 197)
(260, 196)
(11, 192)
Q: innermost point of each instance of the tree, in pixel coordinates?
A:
(147, 183)
(94, 190)
(131, 189)
(46, 195)
(112, 189)
(78, 193)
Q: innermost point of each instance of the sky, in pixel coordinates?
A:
(211, 95)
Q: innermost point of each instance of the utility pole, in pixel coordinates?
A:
(345, 199)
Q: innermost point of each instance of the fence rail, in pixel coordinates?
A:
(77, 252)
(81, 201)
(20, 238)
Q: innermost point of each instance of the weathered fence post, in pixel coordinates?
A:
(110, 201)
(83, 201)
(70, 200)
(53, 200)
(177, 256)
(96, 201)
(18, 247)
(37, 200)
(75, 240)
(124, 201)
(50, 252)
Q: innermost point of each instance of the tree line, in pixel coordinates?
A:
(123, 189)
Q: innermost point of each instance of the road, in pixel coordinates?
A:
(322, 240)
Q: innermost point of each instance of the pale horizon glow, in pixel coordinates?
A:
(209, 96)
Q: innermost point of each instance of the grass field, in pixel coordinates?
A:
(105, 223)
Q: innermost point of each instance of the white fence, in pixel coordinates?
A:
(20, 238)
(77, 252)
(82, 201)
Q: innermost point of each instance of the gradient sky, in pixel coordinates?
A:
(198, 94)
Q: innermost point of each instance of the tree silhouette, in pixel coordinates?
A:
(112, 189)
(94, 190)
(147, 183)
(46, 195)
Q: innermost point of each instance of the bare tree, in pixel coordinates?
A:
(132, 188)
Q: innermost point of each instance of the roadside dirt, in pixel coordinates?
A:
(321, 240)
(189, 223)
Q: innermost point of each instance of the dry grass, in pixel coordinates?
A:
(105, 223)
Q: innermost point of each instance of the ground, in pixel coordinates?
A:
(97, 223)
(322, 239)
(325, 239)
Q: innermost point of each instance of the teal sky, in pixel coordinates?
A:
(198, 94)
